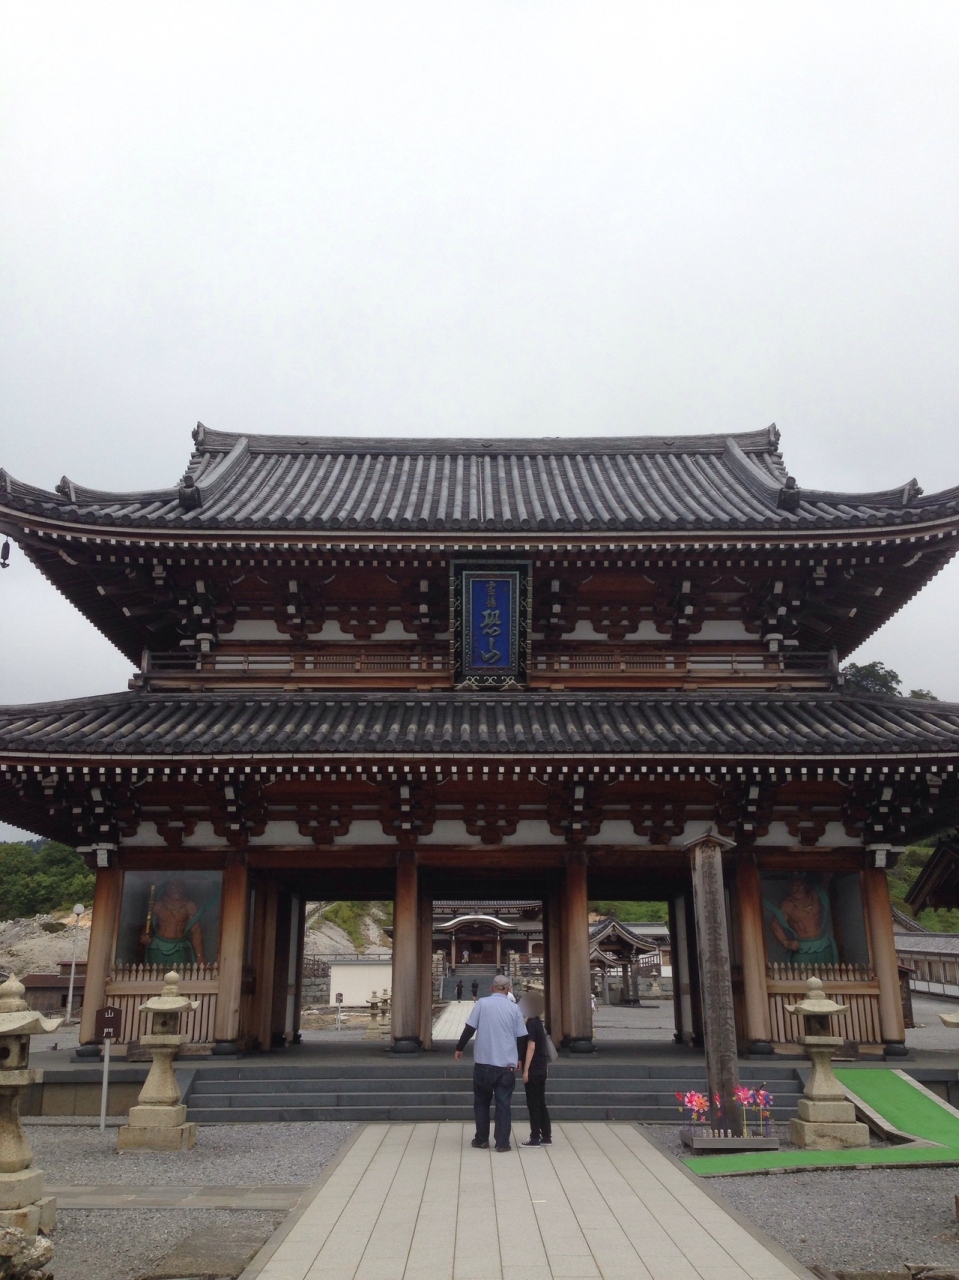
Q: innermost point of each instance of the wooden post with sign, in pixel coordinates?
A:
(719, 1020)
(107, 1026)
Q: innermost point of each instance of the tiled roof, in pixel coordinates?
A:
(328, 483)
(750, 724)
(927, 943)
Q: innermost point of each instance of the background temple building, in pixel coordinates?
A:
(512, 672)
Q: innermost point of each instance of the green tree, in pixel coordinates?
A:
(873, 677)
(923, 694)
(633, 912)
(36, 881)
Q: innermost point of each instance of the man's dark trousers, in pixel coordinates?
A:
(493, 1084)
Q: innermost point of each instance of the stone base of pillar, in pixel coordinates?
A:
(225, 1049)
(578, 1044)
(88, 1051)
(827, 1125)
(138, 1138)
(23, 1204)
(760, 1049)
(895, 1049)
(17, 1190)
(157, 1128)
(406, 1044)
(827, 1135)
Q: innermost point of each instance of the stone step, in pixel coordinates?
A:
(592, 1110)
(420, 1068)
(429, 1088)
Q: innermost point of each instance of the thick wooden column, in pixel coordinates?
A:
(579, 1031)
(879, 912)
(234, 904)
(264, 960)
(425, 959)
(300, 948)
(749, 900)
(405, 999)
(679, 962)
(562, 962)
(106, 906)
(552, 964)
(719, 1016)
(284, 978)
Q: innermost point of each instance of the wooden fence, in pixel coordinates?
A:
(129, 986)
(854, 985)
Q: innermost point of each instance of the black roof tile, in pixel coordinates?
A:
(550, 484)
(664, 724)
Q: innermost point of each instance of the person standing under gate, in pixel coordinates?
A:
(535, 1069)
(501, 1040)
(459, 990)
(474, 988)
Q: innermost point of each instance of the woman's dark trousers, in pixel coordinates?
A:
(539, 1124)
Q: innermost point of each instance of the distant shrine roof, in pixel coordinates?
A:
(268, 482)
(828, 724)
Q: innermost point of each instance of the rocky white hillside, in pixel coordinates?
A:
(346, 928)
(39, 944)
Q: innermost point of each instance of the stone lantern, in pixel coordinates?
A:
(827, 1119)
(158, 1121)
(22, 1202)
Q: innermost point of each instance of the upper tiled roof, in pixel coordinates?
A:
(663, 724)
(326, 483)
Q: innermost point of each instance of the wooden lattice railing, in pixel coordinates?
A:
(128, 986)
(854, 985)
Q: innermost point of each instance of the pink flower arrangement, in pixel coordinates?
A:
(697, 1104)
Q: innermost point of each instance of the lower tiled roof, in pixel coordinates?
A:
(673, 724)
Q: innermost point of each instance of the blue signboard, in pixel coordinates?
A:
(491, 622)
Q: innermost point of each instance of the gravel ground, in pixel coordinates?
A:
(115, 1244)
(225, 1155)
(845, 1218)
(854, 1219)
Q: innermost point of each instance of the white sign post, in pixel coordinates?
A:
(107, 1041)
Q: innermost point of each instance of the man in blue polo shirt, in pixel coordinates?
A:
(500, 1047)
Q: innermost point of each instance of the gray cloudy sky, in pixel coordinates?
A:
(497, 218)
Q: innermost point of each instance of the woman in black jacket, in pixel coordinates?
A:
(534, 1073)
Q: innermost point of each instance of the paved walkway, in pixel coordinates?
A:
(96, 1196)
(416, 1202)
(450, 1023)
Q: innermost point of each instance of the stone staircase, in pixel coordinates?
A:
(424, 1090)
(467, 974)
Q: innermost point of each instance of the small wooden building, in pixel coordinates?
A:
(546, 670)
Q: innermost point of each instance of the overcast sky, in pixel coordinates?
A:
(488, 218)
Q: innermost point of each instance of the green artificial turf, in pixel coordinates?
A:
(895, 1099)
(903, 1106)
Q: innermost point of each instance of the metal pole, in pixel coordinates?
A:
(73, 962)
(107, 1041)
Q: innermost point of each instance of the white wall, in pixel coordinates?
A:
(358, 980)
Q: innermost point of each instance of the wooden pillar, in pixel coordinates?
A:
(298, 975)
(405, 1003)
(552, 966)
(749, 901)
(234, 904)
(579, 1029)
(879, 911)
(106, 908)
(264, 953)
(693, 961)
(682, 1012)
(425, 958)
(719, 1015)
(284, 979)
